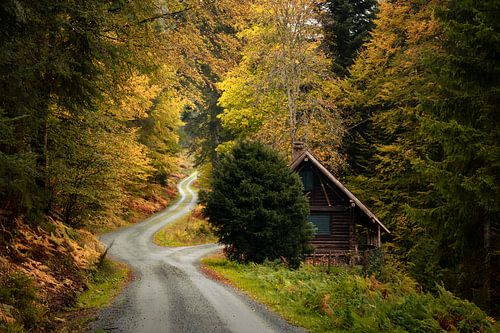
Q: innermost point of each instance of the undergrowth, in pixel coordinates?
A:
(345, 301)
(104, 284)
(21, 310)
(20, 306)
(189, 230)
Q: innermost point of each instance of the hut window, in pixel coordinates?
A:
(321, 223)
(307, 177)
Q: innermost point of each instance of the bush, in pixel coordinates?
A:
(18, 291)
(257, 206)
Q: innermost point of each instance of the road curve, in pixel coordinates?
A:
(169, 293)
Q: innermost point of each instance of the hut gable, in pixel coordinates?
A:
(341, 221)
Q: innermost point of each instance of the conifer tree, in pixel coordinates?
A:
(51, 71)
(427, 84)
(257, 206)
(97, 71)
(346, 25)
(462, 135)
(382, 95)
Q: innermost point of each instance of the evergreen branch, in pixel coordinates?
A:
(6, 120)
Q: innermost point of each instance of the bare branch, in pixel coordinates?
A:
(163, 15)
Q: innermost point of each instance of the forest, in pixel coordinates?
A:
(100, 101)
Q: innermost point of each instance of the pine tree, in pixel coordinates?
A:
(461, 130)
(382, 95)
(427, 85)
(48, 63)
(90, 71)
(257, 206)
(204, 128)
(346, 25)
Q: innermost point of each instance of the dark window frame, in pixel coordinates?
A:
(321, 228)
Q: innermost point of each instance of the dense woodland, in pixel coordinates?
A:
(398, 98)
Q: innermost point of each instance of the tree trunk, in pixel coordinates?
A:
(487, 263)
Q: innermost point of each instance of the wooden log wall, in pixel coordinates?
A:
(342, 235)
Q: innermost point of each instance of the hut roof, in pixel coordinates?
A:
(306, 155)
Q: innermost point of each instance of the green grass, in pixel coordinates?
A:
(104, 284)
(344, 301)
(186, 231)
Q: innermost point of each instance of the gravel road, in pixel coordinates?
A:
(169, 293)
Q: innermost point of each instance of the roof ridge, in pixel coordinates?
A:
(341, 186)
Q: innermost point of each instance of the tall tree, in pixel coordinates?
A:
(383, 93)
(218, 53)
(280, 91)
(427, 87)
(204, 128)
(94, 164)
(462, 162)
(88, 68)
(346, 26)
(54, 57)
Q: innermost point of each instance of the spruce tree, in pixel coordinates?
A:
(257, 206)
(462, 133)
(427, 88)
(346, 25)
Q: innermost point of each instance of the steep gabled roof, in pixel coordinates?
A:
(306, 155)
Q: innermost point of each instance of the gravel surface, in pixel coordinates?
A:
(169, 293)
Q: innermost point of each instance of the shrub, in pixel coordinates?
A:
(257, 206)
(18, 290)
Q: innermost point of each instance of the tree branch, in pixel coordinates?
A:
(156, 17)
(360, 123)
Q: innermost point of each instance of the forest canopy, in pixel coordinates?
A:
(398, 98)
(91, 95)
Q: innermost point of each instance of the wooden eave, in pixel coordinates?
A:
(327, 174)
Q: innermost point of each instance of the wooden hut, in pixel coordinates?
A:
(340, 220)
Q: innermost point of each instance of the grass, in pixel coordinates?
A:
(188, 230)
(21, 310)
(104, 284)
(344, 301)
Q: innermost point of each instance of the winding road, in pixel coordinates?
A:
(169, 293)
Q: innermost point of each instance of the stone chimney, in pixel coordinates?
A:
(298, 148)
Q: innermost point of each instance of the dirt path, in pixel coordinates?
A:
(169, 293)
